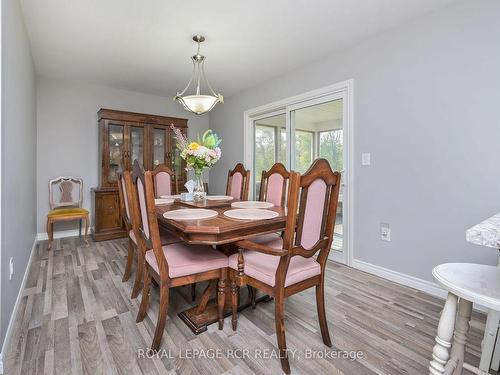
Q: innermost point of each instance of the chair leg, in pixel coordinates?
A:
(162, 317)
(50, 233)
(143, 308)
(80, 227)
(279, 316)
(85, 237)
(234, 304)
(130, 258)
(193, 292)
(139, 273)
(221, 297)
(320, 304)
(251, 295)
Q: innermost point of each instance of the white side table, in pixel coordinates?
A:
(466, 284)
(487, 233)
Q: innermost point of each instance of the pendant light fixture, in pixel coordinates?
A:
(198, 103)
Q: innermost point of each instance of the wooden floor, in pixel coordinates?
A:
(76, 317)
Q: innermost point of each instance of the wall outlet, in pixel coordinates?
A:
(11, 268)
(385, 232)
(365, 158)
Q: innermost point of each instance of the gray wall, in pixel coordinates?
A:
(68, 132)
(426, 99)
(18, 155)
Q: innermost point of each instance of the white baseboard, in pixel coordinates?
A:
(407, 280)
(8, 332)
(60, 234)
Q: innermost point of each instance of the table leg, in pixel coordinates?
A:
(460, 337)
(199, 317)
(495, 362)
(446, 326)
(490, 335)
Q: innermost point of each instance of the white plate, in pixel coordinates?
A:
(219, 198)
(190, 214)
(250, 214)
(252, 204)
(163, 201)
(170, 196)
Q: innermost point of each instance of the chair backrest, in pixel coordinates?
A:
(163, 177)
(124, 196)
(273, 185)
(148, 223)
(312, 207)
(238, 182)
(65, 192)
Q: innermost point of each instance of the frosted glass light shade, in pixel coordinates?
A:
(198, 104)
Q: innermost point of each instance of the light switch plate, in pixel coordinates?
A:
(365, 158)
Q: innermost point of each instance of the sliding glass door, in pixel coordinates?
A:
(296, 136)
(317, 131)
(270, 146)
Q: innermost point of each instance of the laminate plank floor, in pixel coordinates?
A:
(76, 317)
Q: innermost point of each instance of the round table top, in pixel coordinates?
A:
(477, 283)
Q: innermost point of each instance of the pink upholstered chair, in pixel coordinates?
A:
(273, 185)
(164, 178)
(171, 265)
(131, 220)
(285, 266)
(238, 182)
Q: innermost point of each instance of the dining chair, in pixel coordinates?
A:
(238, 182)
(286, 266)
(273, 185)
(171, 265)
(163, 178)
(65, 205)
(131, 219)
(273, 189)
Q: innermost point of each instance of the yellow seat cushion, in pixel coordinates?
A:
(60, 212)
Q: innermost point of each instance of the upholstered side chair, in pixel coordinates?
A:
(65, 202)
(285, 266)
(171, 265)
(163, 178)
(238, 181)
(131, 217)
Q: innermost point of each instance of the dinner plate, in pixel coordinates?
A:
(219, 198)
(250, 214)
(163, 201)
(170, 196)
(252, 204)
(190, 214)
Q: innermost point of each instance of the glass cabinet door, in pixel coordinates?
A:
(115, 152)
(159, 146)
(136, 145)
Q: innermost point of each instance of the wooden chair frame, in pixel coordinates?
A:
(54, 205)
(164, 168)
(245, 184)
(298, 186)
(131, 225)
(162, 277)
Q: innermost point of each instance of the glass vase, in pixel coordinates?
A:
(199, 193)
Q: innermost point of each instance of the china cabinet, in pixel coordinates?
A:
(123, 138)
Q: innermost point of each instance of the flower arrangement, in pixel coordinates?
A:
(200, 154)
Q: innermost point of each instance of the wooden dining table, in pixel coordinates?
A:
(220, 231)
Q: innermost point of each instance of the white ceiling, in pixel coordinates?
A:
(145, 45)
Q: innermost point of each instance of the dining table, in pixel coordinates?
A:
(221, 232)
